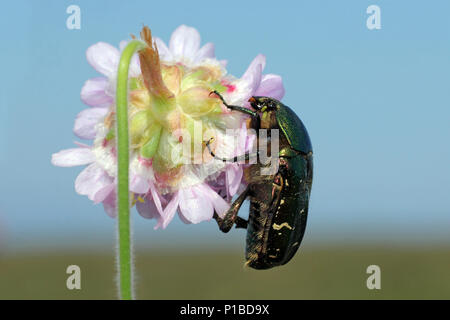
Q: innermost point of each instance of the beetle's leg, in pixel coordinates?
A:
(231, 216)
(244, 157)
(236, 108)
(241, 223)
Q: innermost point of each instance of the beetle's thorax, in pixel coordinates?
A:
(269, 119)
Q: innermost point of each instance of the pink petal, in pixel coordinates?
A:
(104, 192)
(271, 86)
(87, 120)
(94, 93)
(147, 209)
(246, 139)
(110, 205)
(183, 219)
(234, 171)
(169, 212)
(195, 204)
(207, 51)
(156, 198)
(81, 145)
(104, 58)
(73, 157)
(253, 74)
(249, 142)
(234, 176)
(223, 63)
(92, 180)
(242, 138)
(151, 208)
(219, 204)
(185, 42)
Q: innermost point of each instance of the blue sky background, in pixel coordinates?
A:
(376, 104)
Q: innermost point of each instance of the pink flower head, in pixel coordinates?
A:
(161, 183)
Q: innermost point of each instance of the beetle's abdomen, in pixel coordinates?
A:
(277, 220)
(273, 240)
(256, 235)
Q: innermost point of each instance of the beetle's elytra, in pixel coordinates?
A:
(278, 202)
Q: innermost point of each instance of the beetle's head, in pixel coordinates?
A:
(268, 108)
(263, 104)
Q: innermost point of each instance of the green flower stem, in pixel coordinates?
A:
(123, 159)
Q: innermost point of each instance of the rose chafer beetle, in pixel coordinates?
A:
(278, 202)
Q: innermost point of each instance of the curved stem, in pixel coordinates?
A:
(123, 194)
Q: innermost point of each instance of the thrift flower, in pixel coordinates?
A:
(171, 112)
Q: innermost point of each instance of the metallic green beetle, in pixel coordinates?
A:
(278, 202)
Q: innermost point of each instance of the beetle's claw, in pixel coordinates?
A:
(215, 92)
(207, 143)
(219, 96)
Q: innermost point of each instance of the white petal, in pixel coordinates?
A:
(104, 58)
(135, 69)
(163, 51)
(207, 51)
(185, 42)
(73, 157)
(123, 44)
(87, 120)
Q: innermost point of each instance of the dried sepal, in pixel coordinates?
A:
(151, 67)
